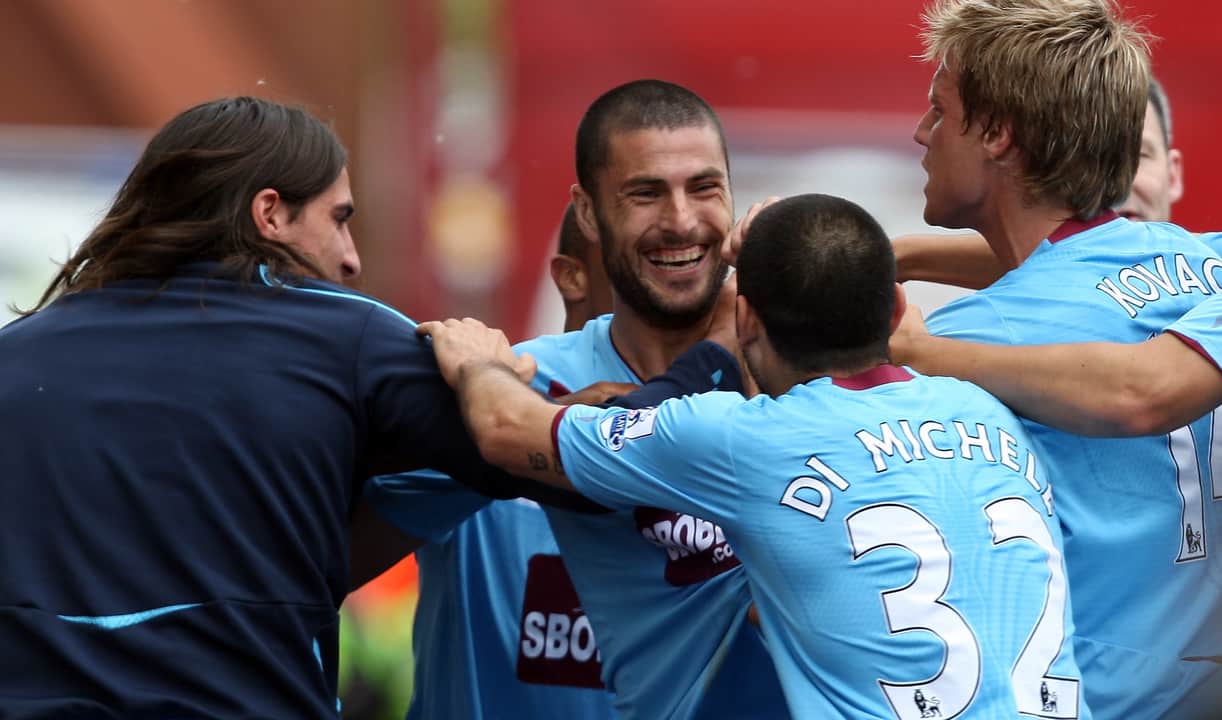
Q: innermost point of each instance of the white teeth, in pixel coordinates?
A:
(670, 258)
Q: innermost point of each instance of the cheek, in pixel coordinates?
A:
(718, 215)
(1145, 182)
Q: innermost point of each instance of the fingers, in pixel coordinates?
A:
(459, 342)
(596, 394)
(434, 327)
(525, 367)
(733, 243)
(722, 329)
(908, 335)
(913, 321)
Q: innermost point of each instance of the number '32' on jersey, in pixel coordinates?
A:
(898, 533)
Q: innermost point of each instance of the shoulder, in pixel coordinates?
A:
(322, 294)
(587, 338)
(1212, 239)
(707, 418)
(959, 312)
(569, 359)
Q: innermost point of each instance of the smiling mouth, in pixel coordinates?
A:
(677, 258)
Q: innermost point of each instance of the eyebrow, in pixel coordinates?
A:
(709, 173)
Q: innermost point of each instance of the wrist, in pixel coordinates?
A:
(474, 368)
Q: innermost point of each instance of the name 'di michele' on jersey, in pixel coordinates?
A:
(916, 442)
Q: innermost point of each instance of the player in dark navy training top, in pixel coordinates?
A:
(189, 413)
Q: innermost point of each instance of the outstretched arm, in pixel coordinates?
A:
(1098, 389)
(513, 425)
(962, 260)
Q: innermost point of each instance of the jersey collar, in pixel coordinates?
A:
(1073, 227)
(875, 376)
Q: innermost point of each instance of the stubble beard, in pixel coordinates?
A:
(647, 302)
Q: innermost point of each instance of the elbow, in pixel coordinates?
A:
(494, 435)
(1145, 421)
(1140, 410)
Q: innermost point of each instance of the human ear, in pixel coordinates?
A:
(270, 214)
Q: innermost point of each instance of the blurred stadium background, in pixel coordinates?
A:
(460, 116)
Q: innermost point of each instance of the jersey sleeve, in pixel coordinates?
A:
(1201, 329)
(972, 317)
(674, 456)
(412, 419)
(411, 415)
(705, 367)
(1213, 240)
(424, 504)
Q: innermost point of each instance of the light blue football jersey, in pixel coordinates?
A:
(678, 615)
(1140, 516)
(897, 531)
(498, 633)
(663, 590)
(1202, 328)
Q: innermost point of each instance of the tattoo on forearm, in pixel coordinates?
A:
(539, 461)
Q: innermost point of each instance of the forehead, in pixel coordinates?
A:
(944, 85)
(1152, 132)
(337, 192)
(670, 154)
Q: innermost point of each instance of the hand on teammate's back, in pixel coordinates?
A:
(459, 342)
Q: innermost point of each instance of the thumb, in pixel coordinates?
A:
(525, 367)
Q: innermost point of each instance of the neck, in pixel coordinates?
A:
(781, 376)
(803, 377)
(575, 315)
(649, 350)
(1015, 227)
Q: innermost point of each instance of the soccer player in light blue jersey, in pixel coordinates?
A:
(483, 643)
(1033, 133)
(1099, 389)
(897, 530)
(967, 261)
(662, 590)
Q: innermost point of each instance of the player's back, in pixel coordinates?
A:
(912, 566)
(663, 590)
(179, 469)
(1138, 513)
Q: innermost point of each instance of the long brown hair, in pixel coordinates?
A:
(189, 196)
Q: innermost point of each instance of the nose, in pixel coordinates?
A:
(921, 134)
(679, 216)
(350, 264)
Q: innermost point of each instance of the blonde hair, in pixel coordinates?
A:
(1069, 78)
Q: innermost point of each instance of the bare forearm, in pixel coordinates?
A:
(511, 424)
(960, 260)
(1098, 389)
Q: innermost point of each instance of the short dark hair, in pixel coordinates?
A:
(1157, 97)
(188, 198)
(638, 105)
(820, 272)
(573, 241)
